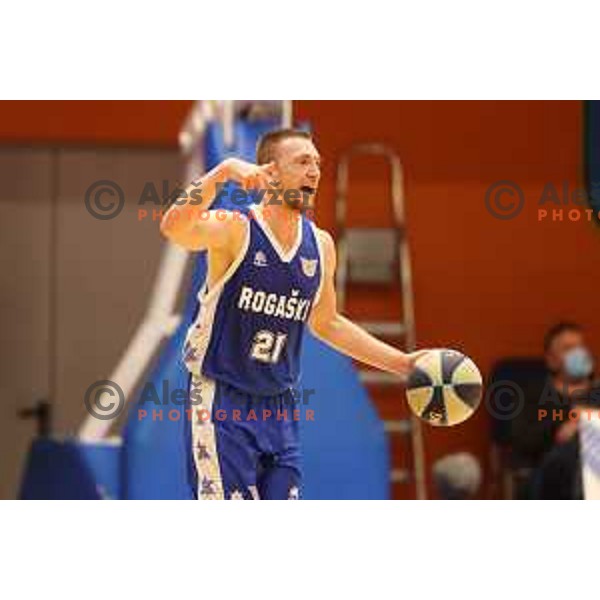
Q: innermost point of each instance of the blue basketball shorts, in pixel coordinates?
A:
(243, 447)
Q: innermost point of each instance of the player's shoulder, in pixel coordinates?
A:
(325, 239)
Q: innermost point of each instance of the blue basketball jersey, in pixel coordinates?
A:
(249, 329)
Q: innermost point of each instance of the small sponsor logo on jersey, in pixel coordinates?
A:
(260, 259)
(309, 267)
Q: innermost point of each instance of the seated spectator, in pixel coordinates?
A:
(457, 476)
(559, 475)
(544, 423)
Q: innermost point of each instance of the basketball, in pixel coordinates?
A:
(445, 387)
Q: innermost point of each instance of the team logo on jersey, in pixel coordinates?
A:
(309, 267)
(260, 259)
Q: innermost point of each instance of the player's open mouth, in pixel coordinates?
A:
(307, 189)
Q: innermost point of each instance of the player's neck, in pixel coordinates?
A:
(280, 218)
(282, 221)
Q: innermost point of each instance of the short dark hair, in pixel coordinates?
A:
(265, 148)
(559, 329)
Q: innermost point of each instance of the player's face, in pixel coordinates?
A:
(298, 168)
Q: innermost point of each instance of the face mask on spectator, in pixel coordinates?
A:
(578, 363)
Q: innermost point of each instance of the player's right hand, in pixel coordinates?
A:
(247, 174)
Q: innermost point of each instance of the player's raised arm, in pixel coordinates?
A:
(187, 224)
(344, 335)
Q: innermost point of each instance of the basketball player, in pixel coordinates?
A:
(268, 276)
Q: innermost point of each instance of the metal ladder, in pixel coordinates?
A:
(381, 256)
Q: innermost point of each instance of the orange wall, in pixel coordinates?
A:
(118, 123)
(487, 286)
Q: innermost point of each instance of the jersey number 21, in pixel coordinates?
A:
(267, 346)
